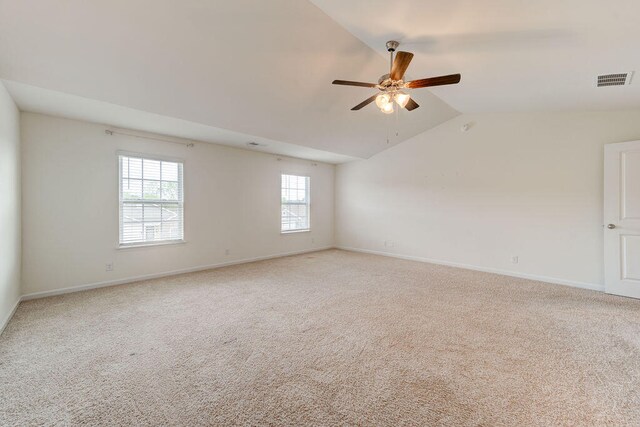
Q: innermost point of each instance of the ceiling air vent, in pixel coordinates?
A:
(618, 79)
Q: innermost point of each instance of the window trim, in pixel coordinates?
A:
(306, 230)
(156, 243)
(152, 245)
(301, 230)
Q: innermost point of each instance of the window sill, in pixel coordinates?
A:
(152, 245)
(296, 231)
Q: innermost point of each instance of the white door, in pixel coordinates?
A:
(622, 218)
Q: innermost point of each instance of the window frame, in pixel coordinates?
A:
(146, 244)
(308, 204)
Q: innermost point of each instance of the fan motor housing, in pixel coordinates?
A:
(383, 78)
(385, 83)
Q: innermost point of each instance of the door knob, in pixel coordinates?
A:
(611, 226)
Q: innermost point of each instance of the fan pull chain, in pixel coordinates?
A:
(388, 132)
(397, 122)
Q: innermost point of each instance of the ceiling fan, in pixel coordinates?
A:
(392, 86)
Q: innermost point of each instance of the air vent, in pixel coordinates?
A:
(618, 79)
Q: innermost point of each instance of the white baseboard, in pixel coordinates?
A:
(126, 280)
(6, 320)
(547, 279)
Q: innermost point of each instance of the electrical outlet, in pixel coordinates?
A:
(226, 251)
(514, 259)
(388, 243)
(108, 267)
(313, 240)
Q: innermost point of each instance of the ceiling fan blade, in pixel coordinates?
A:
(348, 83)
(411, 105)
(451, 79)
(364, 103)
(400, 65)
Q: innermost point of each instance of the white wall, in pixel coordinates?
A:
(529, 185)
(70, 206)
(9, 206)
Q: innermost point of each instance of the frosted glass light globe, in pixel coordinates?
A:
(402, 99)
(382, 100)
(387, 108)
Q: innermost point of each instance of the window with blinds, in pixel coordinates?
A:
(295, 203)
(151, 201)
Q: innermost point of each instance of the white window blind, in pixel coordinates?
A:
(295, 203)
(151, 201)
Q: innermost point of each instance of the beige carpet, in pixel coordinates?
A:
(329, 338)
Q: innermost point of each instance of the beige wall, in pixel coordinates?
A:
(526, 185)
(9, 206)
(232, 201)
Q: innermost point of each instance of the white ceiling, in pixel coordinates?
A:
(38, 100)
(514, 55)
(234, 71)
(250, 68)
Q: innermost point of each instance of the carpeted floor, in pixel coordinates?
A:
(329, 338)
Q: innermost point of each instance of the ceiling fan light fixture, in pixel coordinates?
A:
(391, 84)
(401, 99)
(382, 100)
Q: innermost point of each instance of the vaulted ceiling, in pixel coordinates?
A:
(514, 55)
(235, 71)
(258, 68)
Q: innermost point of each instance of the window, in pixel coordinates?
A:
(151, 201)
(295, 203)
